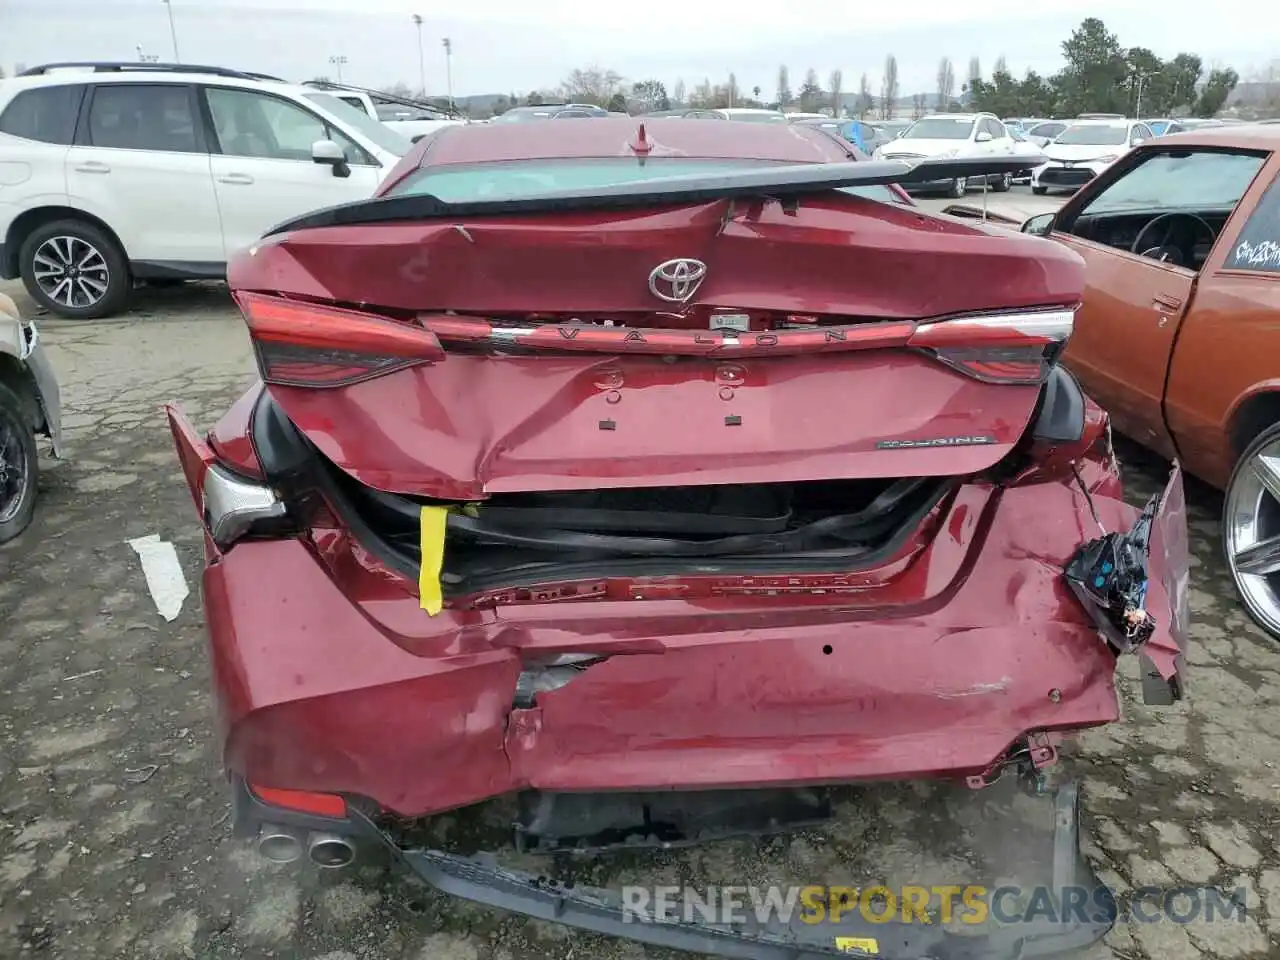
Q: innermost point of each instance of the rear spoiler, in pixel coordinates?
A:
(772, 182)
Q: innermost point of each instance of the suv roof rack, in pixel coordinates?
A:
(125, 66)
(1101, 116)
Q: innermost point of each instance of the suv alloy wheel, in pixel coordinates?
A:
(75, 270)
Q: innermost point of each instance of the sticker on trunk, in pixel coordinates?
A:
(972, 440)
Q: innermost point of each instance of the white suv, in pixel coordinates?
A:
(1084, 149)
(952, 136)
(116, 173)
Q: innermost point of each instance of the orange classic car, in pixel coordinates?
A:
(1179, 333)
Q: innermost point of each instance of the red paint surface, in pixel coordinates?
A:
(343, 686)
(329, 677)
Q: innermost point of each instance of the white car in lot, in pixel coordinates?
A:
(1083, 150)
(949, 136)
(112, 173)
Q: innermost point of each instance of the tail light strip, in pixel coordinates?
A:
(313, 345)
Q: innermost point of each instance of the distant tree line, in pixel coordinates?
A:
(1098, 75)
(1102, 76)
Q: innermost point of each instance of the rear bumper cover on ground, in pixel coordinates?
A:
(483, 880)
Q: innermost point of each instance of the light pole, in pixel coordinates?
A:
(337, 60)
(448, 72)
(173, 31)
(1137, 110)
(422, 59)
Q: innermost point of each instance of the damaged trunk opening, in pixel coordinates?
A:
(522, 538)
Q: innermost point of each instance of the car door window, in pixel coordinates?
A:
(250, 124)
(1258, 245)
(1205, 184)
(996, 129)
(46, 114)
(1141, 132)
(143, 116)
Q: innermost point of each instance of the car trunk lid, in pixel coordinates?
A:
(830, 337)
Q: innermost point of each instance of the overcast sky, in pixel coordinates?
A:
(504, 45)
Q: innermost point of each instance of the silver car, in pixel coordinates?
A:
(29, 405)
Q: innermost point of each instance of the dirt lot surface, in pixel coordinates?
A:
(114, 826)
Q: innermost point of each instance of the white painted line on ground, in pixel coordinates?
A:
(164, 575)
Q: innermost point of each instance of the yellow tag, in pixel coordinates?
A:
(431, 541)
(858, 945)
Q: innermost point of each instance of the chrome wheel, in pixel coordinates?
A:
(1252, 532)
(71, 272)
(15, 473)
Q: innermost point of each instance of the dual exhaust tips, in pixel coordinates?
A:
(284, 845)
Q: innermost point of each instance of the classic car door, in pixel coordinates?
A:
(1134, 305)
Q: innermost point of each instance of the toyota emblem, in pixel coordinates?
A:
(677, 280)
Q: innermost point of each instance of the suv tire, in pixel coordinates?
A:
(19, 466)
(94, 263)
(1039, 191)
(958, 188)
(1003, 184)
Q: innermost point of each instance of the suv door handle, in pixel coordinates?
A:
(93, 166)
(236, 178)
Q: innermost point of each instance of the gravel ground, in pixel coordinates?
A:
(114, 827)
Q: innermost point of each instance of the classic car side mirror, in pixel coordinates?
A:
(983, 137)
(1041, 225)
(1138, 140)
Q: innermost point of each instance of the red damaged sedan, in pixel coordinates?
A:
(625, 466)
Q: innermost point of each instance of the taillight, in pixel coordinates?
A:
(998, 348)
(300, 344)
(236, 507)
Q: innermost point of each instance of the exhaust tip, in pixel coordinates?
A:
(330, 851)
(279, 845)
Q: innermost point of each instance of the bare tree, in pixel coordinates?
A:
(889, 89)
(784, 88)
(1002, 66)
(836, 83)
(810, 91)
(732, 90)
(917, 106)
(975, 70)
(677, 92)
(865, 100)
(592, 84)
(946, 82)
(704, 95)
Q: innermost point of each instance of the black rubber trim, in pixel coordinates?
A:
(1060, 418)
(178, 269)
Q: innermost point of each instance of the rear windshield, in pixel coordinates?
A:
(762, 117)
(459, 183)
